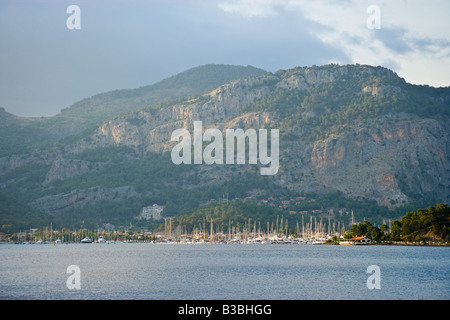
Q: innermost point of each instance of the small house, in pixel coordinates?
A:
(357, 241)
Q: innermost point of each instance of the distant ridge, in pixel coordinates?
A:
(193, 81)
(23, 134)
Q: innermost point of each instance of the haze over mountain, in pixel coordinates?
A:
(359, 132)
(23, 132)
(190, 82)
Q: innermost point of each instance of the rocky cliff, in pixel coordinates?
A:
(389, 159)
(392, 160)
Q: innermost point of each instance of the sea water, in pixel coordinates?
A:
(142, 271)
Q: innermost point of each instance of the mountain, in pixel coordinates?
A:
(352, 136)
(188, 83)
(21, 134)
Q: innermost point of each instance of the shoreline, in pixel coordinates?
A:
(405, 244)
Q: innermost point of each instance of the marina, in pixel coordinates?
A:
(310, 231)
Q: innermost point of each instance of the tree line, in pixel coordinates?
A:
(424, 225)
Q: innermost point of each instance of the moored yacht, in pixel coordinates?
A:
(86, 240)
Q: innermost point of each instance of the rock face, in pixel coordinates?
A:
(66, 168)
(381, 90)
(390, 159)
(152, 129)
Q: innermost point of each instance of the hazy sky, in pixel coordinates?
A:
(44, 66)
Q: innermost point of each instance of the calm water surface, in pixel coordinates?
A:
(252, 272)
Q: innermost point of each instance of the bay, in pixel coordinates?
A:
(144, 271)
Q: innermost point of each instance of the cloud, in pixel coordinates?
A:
(440, 48)
(394, 39)
(400, 40)
(412, 34)
(125, 46)
(252, 8)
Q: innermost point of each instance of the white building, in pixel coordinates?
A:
(153, 211)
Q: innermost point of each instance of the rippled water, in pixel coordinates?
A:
(250, 272)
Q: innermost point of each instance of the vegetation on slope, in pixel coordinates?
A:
(190, 82)
(16, 216)
(319, 111)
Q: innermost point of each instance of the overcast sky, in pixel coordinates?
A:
(45, 67)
